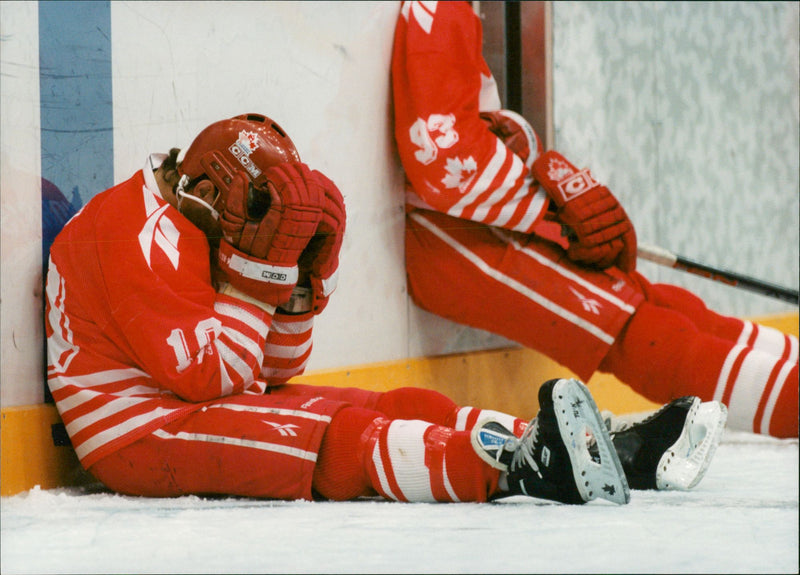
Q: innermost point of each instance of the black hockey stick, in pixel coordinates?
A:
(666, 258)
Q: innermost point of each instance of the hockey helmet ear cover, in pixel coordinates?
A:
(248, 143)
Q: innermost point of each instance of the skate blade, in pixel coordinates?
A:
(577, 414)
(685, 463)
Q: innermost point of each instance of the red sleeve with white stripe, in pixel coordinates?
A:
(164, 313)
(441, 83)
(288, 347)
(197, 351)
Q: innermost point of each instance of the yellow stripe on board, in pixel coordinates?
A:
(506, 380)
(29, 457)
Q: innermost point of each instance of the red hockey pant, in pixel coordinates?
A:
(659, 339)
(299, 441)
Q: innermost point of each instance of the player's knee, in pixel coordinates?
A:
(417, 403)
(656, 340)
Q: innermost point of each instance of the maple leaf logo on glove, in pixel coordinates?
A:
(557, 170)
(459, 172)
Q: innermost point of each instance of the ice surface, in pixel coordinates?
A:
(742, 518)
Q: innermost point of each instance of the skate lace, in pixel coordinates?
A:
(524, 453)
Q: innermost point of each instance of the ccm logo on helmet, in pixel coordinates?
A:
(241, 150)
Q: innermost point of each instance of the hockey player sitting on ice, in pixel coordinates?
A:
(482, 204)
(180, 302)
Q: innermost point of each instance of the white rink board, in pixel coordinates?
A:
(706, 164)
(321, 70)
(690, 113)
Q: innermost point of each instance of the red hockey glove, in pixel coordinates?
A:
(266, 230)
(516, 133)
(321, 258)
(601, 233)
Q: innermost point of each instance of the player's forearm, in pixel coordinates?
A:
(288, 347)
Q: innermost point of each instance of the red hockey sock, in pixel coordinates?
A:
(339, 474)
(662, 355)
(412, 460)
(364, 454)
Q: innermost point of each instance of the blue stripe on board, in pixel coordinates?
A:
(77, 137)
(76, 108)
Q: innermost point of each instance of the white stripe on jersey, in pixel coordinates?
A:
(113, 433)
(230, 360)
(242, 340)
(537, 202)
(481, 182)
(242, 315)
(111, 408)
(287, 351)
(61, 348)
(482, 211)
(291, 327)
(100, 378)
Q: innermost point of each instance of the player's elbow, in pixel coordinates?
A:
(197, 386)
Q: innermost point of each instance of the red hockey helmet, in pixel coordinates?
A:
(249, 143)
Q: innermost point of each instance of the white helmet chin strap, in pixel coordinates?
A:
(181, 194)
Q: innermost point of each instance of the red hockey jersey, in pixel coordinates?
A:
(441, 83)
(136, 334)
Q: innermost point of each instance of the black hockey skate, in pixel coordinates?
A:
(672, 448)
(551, 460)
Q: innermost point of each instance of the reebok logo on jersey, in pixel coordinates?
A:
(286, 430)
(589, 304)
